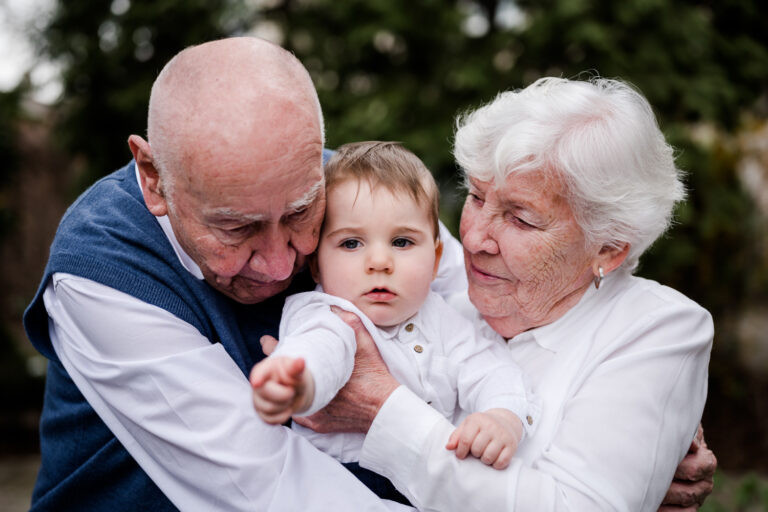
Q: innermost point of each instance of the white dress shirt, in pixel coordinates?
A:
(182, 408)
(622, 379)
(436, 353)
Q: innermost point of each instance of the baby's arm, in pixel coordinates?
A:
(282, 387)
(491, 436)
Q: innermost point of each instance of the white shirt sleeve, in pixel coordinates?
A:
(627, 421)
(182, 409)
(309, 329)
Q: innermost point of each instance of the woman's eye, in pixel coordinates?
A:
(475, 198)
(350, 244)
(401, 242)
(521, 223)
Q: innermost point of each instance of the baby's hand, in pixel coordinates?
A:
(491, 436)
(282, 387)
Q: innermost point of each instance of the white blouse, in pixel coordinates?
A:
(622, 379)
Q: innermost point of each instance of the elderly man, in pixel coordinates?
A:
(161, 280)
(144, 306)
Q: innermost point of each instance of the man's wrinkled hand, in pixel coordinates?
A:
(693, 479)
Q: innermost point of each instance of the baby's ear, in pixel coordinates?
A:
(313, 267)
(438, 255)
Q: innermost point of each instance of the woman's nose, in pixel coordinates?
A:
(477, 235)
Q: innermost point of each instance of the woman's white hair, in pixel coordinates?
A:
(600, 137)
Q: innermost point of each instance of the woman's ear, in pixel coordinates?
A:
(609, 258)
(438, 255)
(151, 183)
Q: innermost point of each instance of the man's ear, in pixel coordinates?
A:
(610, 258)
(438, 255)
(151, 184)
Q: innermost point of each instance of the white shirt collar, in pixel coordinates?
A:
(416, 322)
(165, 225)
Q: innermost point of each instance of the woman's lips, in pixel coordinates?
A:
(483, 275)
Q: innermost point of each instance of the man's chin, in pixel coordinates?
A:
(246, 291)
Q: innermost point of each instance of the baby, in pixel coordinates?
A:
(379, 251)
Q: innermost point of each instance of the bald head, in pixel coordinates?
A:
(227, 95)
(234, 160)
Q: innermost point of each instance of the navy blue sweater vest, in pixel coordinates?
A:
(110, 237)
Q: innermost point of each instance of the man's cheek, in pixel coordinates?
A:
(222, 260)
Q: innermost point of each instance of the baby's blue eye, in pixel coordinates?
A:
(350, 244)
(401, 242)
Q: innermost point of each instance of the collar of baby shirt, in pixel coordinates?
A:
(404, 332)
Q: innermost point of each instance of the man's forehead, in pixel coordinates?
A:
(263, 205)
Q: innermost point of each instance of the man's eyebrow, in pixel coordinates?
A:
(230, 215)
(309, 197)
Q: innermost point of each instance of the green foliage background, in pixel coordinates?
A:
(403, 69)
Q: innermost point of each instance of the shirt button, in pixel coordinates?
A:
(418, 349)
(409, 328)
(529, 420)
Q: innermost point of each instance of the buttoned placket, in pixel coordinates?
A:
(526, 337)
(409, 334)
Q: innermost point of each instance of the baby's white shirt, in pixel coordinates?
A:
(437, 353)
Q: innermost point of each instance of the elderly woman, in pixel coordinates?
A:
(569, 182)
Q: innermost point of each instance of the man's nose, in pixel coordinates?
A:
(273, 255)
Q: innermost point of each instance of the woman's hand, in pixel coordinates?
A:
(357, 403)
(693, 478)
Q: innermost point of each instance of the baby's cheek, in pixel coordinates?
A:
(338, 285)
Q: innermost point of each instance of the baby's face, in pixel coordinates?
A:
(377, 250)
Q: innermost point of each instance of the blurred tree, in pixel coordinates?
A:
(110, 53)
(10, 112)
(18, 393)
(390, 70)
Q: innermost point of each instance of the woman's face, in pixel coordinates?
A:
(526, 258)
